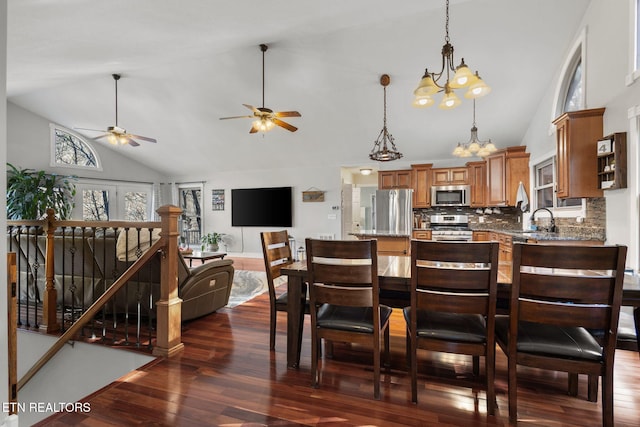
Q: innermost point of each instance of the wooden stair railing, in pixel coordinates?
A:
(91, 311)
(12, 344)
(169, 307)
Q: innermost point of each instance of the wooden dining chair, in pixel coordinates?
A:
(558, 294)
(277, 253)
(453, 305)
(344, 299)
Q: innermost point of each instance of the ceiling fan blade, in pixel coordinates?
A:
(285, 125)
(254, 129)
(236, 117)
(132, 143)
(144, 138)
(92, 130)
(287, 114)
(104, 135)
(252, 108)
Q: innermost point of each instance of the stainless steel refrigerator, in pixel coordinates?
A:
(393, 212)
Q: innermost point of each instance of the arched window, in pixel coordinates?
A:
(71, 150)
(573, 97)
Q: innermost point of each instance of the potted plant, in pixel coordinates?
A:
(30, 193)
(210, 241)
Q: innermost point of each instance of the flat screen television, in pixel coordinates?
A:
(266, 207)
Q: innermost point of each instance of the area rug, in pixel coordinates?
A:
(247, 285)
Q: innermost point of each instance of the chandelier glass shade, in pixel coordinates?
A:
(474, 146)
(384, 147)
(463, 77)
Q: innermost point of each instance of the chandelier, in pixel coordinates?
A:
(463, 77)
(384, 149)
(474, 146)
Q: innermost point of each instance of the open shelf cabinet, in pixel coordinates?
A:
(612, 161)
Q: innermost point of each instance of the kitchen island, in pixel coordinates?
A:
(389, 243)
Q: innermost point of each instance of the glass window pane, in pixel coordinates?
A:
(95, 205)
(71, 150)
(564, 203)
(545, 175)
(545, 198)
(135, 205)
(191, 220)
(574, 92)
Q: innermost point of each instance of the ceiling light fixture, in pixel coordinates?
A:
(463, 77)
(474, 146)
(384, 149)
(366, 171)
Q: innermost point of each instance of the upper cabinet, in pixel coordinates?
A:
(612, 161)
(449, 176)
(506, 169)
(577, 135)
(478, 182)
(421, 185)
(388, 180)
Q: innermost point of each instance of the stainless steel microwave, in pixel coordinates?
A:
(450, 195)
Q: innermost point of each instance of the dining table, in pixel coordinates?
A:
(394, 277)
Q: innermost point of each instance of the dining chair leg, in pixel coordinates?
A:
(607, 396)
(513, 389)
(476, 365)
(414, 368)
(387, 352)
(592, 389)
(572, 384)
(490, 373)
(376, 368)
(407, 350)
(272, 329)
(315, 344)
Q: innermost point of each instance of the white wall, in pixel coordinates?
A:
(28, 146)
(309, 219)
(606, 64)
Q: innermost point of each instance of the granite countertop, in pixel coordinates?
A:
(366, 233)
(524, 235)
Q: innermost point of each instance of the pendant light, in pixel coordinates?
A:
(384, 148)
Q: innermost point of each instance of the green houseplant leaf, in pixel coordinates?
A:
(30, 193)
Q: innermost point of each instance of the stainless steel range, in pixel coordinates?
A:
(451, 228)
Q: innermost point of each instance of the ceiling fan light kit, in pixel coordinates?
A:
(266, 119)
(115, 134)
(384, 147)
(463, 78)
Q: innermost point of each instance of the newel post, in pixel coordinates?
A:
(49, 322)
(169, 307)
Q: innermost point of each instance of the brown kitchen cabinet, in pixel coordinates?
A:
(478, 183)
(421, 184)
(388, 180)
(393, 245)
(577, 135)
(612, 161)
(481, 236)
(421, 234)
(506, 168)
(449, 176)
(505, 242)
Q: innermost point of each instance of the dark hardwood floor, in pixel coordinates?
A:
(226, 376)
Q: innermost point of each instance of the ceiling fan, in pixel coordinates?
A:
(266, 118)
(115, 134)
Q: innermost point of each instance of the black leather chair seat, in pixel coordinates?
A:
(556, 341)
(355, 319)
(449, 326)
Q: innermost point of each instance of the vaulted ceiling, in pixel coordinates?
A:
(185, 64)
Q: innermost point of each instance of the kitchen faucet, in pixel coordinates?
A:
(552, 224)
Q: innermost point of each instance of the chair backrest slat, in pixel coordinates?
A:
(343, 272)
(454, 277)
(571, 286)
(276, 252)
